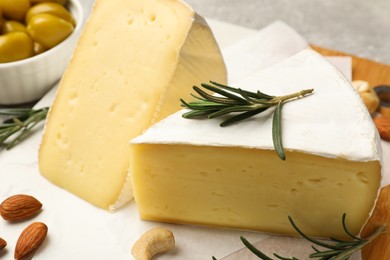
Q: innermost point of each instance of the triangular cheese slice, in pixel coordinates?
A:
(133, 62)
(193, 171)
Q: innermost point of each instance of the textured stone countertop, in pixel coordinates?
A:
(360, 27)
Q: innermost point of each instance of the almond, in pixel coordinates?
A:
(3, 243)
(19, 207)
(30, 240)
(383, 125)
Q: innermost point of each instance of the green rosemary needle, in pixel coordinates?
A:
(245, 103)
(335, 250)
(19, 123)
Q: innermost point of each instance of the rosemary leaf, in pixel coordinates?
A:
(262, 95)
(351, 250)
(341, 250)
(277, 131)
(206, 105)
(254, 250)
(245, 96)
(185, 104)
(199, 98)
(345, 243)
(229, 110)
(327, 253)
(347, 231)
(24, 132)
(197, 113)
(224, 93)
(14, 111)
(219, 99)
(311, 239)
(245, 103)
(285, 258)
(19, 125)
(242, 116)
(258, 94)
(315, 249)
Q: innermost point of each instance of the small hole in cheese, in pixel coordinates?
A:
(113, 108)
(204, 174)
(315, 181)
(362, 177)
(152, 18)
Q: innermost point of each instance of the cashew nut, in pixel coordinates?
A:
(367, 94)
(154, 241)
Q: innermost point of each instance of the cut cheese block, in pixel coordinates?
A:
(133, 62)
(193, 171)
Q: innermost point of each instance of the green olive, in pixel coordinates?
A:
(38, 48)
(49, 30)
(13, 26)
(15, 46)
(50, 8)
(15, 9)
(61, 2)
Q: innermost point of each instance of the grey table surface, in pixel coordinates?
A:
(360, 27)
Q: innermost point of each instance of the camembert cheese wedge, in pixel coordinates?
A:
(133, 62)
(193, 171)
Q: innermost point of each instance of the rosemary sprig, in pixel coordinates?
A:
(335, 250)
(19, 123)
(245, 103)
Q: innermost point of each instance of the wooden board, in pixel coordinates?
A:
(376, 74)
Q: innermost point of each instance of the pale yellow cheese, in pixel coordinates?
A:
(252, 188)
(133, 62)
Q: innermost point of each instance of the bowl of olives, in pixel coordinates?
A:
(37, 39)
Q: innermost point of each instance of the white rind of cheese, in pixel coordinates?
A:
(316, 124)
(133, 62)
(195, 172)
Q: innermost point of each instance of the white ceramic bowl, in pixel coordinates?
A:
(28, 80)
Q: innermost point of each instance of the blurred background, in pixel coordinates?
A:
(360, 27)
